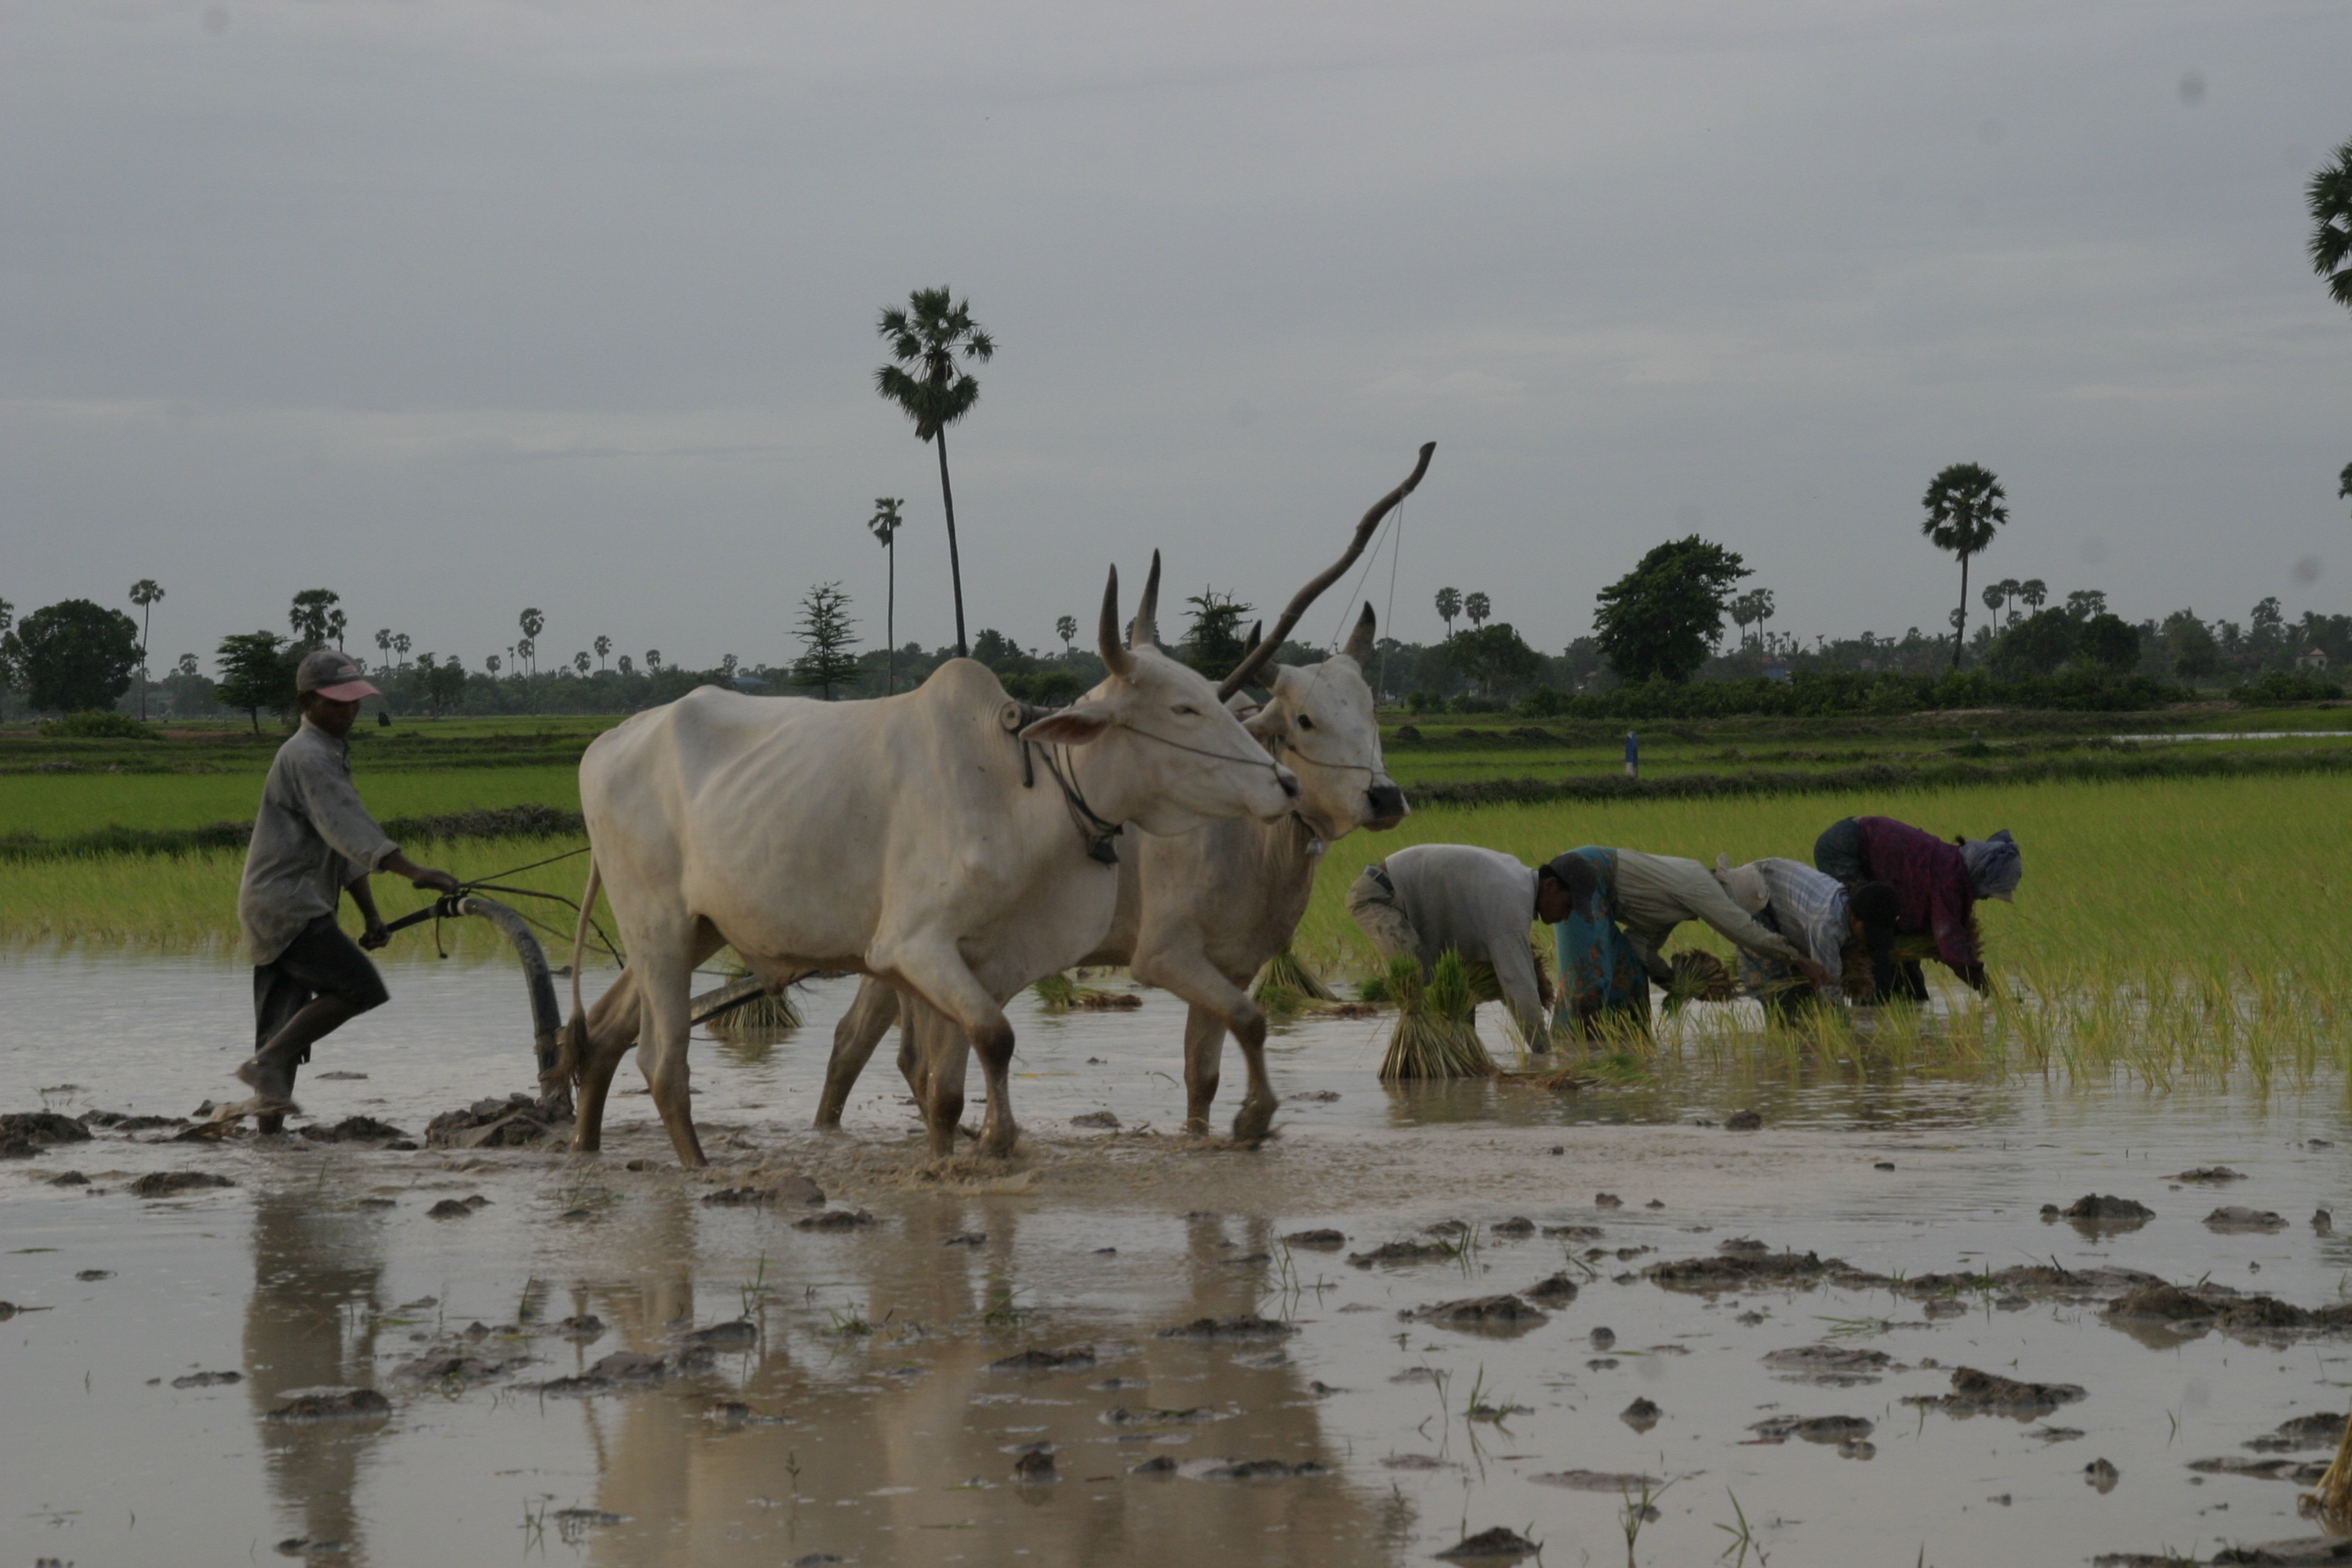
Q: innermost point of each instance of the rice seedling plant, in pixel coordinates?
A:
(1437, 1036)
(1059, 993)
(1286, 985)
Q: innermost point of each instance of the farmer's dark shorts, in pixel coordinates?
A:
(321, 962)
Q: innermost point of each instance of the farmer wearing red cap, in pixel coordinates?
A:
(313, 840)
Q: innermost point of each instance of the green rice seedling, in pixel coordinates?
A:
(768, 1013)
(1437, 1036)
(1286, 984)
(1059, 993)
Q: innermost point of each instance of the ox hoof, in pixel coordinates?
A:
(1252, 1123)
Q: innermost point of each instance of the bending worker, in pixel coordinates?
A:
(312, 841)
(1819, 914)
(1479, 903)
(1939, 884)
(1612, 909)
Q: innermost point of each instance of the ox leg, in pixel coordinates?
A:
(933, 1054)
(665, 989)
(951, 989)
(854, 1038)
(1218, 1006)
(611, 1030)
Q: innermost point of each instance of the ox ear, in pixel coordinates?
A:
(1267, 722)
(1070, 726)
(1359, 643)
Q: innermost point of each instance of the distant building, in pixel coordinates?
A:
(2312, 658)
(1776, 669)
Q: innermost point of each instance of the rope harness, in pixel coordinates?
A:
(1094, 831)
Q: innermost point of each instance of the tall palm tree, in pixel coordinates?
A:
(383, 645)
(885, 523)
(532, 623)
(1449, 605)
(144, 594)
(925, 338)
(400, 645)
(2034, 593)
(2329, 194)
(1478, 607)
(1066, 628)
(1965, 505)
(604, 645)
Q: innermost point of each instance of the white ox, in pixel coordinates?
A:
(1201, 912)
(926, 840)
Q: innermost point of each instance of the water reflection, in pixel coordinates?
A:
(310, 1323)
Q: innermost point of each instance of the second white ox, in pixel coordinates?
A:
(924, 841)
(1199, 913)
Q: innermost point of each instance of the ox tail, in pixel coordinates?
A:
(572, 1053)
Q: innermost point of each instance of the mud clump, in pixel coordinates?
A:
(1506, 1313)
(2094, 1215)
(208, 1379)
(2103, 1476)
(450, 1208)
(2303, 1472)
(1489, 1545)
(1989, 1393)
(1248, 1326)
(2321, 1431)
(1743, 1121)
(1036, 1466)
(171, 1183)
(789, 1190)
(333, 1405)
(1826, 1429)
(2158, 1302)
(1828, 1366)
(1739, 1271)
(357, 1130)
(1557, 1290)
(1325, 1238)
(515, 1122)
(1106, 1120)
(731, 1336)
(2211, 1173)
(1251, 1469)
(1404, 1252)
(25, 1133)
(2235, 1217)
(1513, 1228)
(1641, 1416)
(1070, 1358)
(835, 1219)
(1598, 1481)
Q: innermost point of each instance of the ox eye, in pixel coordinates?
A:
(1187, 710)
(1305, 723)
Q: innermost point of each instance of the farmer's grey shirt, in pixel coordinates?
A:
(1479, 903)
(1656, 893)
(311, 839)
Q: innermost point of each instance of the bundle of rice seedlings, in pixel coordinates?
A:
(1059, 993)
(1435, 1036)
(2333, 1496)
(769, 1012)
(1486, 986)
(1286, 985)
(1699, 976)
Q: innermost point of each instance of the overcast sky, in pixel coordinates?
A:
(459, 308)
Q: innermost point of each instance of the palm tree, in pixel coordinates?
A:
(1759, 600)
(400, 645)
(1478, 607)
(530, 621)
(1066, 628)
(1965, 505)
(144, 594)
(383, 645)
(491, 664)
(925, 338)
(884, 525)
(653, 660)
(1996, 595)
(580, 662)
(2330, 199)
(2034, 593)
(603, 646)
(337, 623)
(2344, 484)
(1449, 605)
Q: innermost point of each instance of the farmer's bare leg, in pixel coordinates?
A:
(854, 1038)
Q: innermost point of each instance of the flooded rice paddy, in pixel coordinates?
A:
(614, 1362)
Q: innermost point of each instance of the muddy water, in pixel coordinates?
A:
(858, 1417)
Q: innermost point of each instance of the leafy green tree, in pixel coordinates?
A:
(309, 613)
(2189, 642)
(823, 629)
(885, 525)
(144, 594)
(1497, 658)
(2108, 642)
(1661, 618)
(2039, 645)
(72, 657)
(444, 684)
(256, 672)
(925, 338)
(1965, 506)
(2329, 197)
(1215, 644)
(1449, 605)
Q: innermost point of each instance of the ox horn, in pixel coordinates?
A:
(1147, 609)
(1115, 656)
(1360, 641)
(1330, 574)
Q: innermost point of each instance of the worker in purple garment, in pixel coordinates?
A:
(1939, 884)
